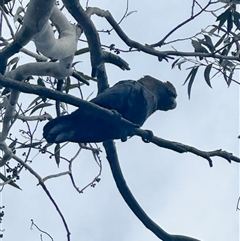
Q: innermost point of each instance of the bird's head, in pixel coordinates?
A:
(164, 92)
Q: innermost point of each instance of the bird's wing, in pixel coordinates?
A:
(128, 98)
(59, 129)
(87, 127)
(115, 97)
(131, 99)
(81, 128)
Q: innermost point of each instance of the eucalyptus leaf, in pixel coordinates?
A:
(11, 183)
(207, 74)
(43, 105)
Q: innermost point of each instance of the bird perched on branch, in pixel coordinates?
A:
(135, 101)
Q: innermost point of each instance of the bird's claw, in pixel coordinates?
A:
(148, 137)
(117, 118)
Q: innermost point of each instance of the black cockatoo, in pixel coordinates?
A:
(133, 100)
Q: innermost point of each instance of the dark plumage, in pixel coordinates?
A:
(134, 100)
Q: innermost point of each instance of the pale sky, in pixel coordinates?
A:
(180, 192)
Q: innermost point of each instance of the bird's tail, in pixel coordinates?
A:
(58, 130)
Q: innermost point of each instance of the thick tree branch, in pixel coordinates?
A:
(62, 49)
(85, 105)
(37, 15)
(131, 43)
(98, 68)
(132, 202)
(116, 60)
(56, 95)
(147, 48)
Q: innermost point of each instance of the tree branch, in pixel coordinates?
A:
(149, 49)
(98, 67)
(161, 42)
(132, 202)
(85, 105)
(38, 11)
(182, 148)
(116, 60)
(56, 95)
(41, 183)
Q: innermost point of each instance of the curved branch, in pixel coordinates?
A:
(132, 202)
(149, 49)
(116, 60)
(98, 67)
(57, 95)
(85, 105)
(29, 28)
(131, 43)
(161, 42)
(7, 153)
(181, 148)
(42, 117)
(44, 187)
(65, 45)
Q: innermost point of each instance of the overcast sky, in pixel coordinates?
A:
(180, 192)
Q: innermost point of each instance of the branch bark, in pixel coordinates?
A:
(98, 67)
(132, 202)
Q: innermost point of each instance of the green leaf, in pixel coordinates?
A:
(41, 83)
(207, 74)
(229, 22)
(74, 63)
(43, 105)
(33, 144)
(209, 43)
(13, 144)
(225, 77)
(73, 86)
(236, 19)
(57, 153)
(13, 61)
(67, 85)
(88, 97)
(223, 18)
(44, 148)
(48, 144)
(199, 48)
(230, 77)
(224, 53)
(5, 179)
(220, 40)
(2, 2)
(6, 91)
(213, 30)
(191, 77)
(87, 77)
(34, 101)
(82, 51)
(196, 45)
(227, 65)
(174, 63)
(179, 64)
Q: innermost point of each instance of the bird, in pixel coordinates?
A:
(133, 100)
